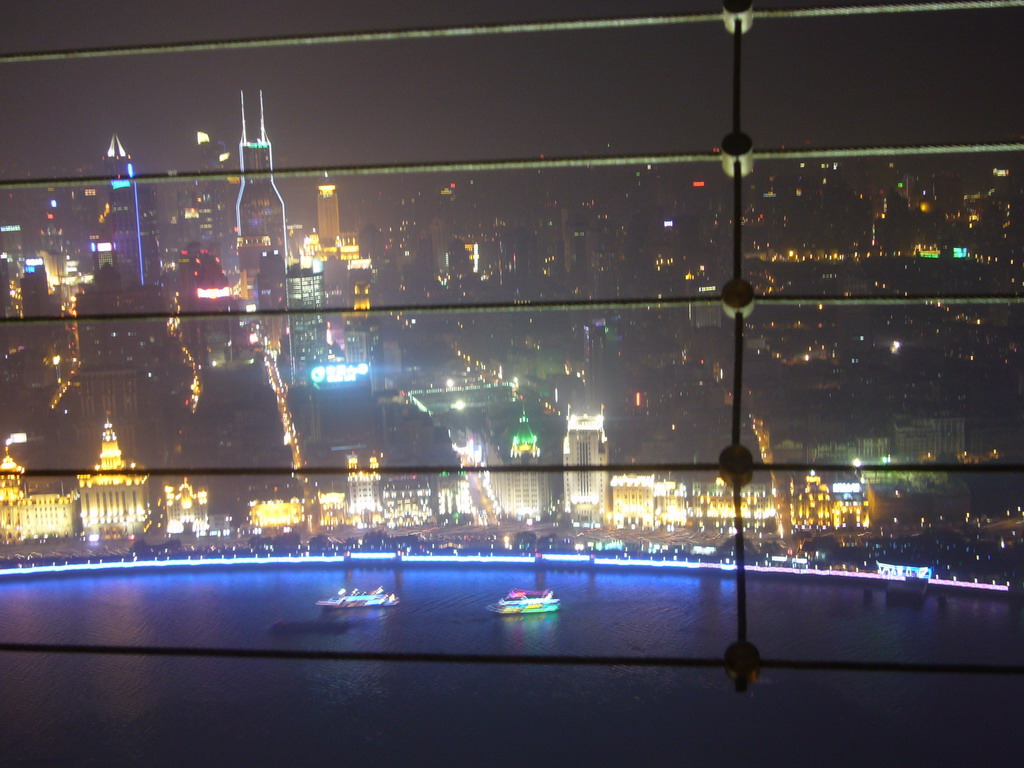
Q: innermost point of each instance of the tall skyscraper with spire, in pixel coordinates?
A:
(132, 221)
(260, 208)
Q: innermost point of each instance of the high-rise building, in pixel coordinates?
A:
(307, 336)
(113, 506)
(522, 495)
(203, 287)
(269, 286)
(328, 218)
(132, 221)
(205, 207)
(586, 491)
(5, 285)
(259, 211)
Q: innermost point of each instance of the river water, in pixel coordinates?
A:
(138, 711)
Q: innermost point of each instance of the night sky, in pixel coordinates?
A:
(929, 77)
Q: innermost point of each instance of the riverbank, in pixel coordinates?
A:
(184, 560)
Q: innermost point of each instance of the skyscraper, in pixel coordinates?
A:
(328, 218)
(132, 221)
(259, 210)
(586, 492)
(307, 336)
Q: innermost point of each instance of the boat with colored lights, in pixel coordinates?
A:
(523, 601)
(356, 599)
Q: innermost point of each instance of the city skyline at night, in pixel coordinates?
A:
(707, 335)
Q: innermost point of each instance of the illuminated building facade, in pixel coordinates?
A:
(333, 509)
(817, 506)
(929, 439)
(327, 216)
(113, 505)
(275, 514)
(259, 210)
(632, 502)
(586, 492)
(407, 500)
(671, 505)
(36, 516)
(187, 509)
(712, 507)
(364, 493)
(522, 495)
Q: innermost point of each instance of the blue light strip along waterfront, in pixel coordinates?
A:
(554, 560)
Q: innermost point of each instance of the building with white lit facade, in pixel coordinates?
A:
(586, 491)
(364, 494)
(113, 505)
(407, 500)
(523, 496)
(187, 509)
(36, 516)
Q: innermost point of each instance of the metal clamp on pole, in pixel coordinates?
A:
(738, 14)
(737, 149)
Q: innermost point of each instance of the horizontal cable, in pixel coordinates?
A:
(881, 150)
(914, 300)
(483, 307)
(372, 36)
(480, 30)
(885, 8)
(529, 306)
(452, 469)
(466, 658)
(894, 666)
(522, 164)
(304, 655)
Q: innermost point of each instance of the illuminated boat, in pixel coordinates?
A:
(522, 601)
(356, 599)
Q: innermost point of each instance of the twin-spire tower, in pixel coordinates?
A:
(259, 210)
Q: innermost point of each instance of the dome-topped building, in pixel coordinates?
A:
(31, 516)
(113, 505)
(524, 441)
(522, 496)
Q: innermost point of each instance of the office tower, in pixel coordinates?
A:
(35, 291)
(307, 337)
(5, 286)
(132, 221)
(586, 492)
(601, 364)
(259, 211)
(203, 288)
(327, 216)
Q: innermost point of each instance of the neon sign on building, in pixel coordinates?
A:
(338, 373)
